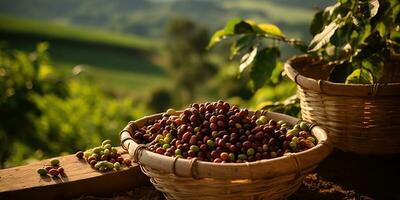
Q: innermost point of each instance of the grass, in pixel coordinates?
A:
(84, 34)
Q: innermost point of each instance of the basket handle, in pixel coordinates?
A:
(129, 144)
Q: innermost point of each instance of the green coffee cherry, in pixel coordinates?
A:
(169, 136)
(286, 125)
(297, 127)
(242, 157)
(109, 165)
(293, 145)
(293, 132)
(280, 122)
(197, 129)
(106, 152)
(178, 152)
(211, 144)
(194, 148)
(103, 168)
(295, 139)
(114, 150)
(54, 162)
(311, 139)
(167, 140)
(263, 119)
(250, 152)
(106, 142)
(232, 157)
(98, 165)
(273, 154)
(42, 172)
(166, 146)
(87, 154)
(107, 146)
(265, 147)
(117, 166)
(97, 150)
(304, 126)
(159, 137)
(170, 112)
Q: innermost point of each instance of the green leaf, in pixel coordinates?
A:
(270, 29)
(243, 27)
(247, 59)
(230, 26)
(264, 63)
(360, 76)
(317, 23)
(228, 30)
(375, 66)
(277, 73)
(373, 7)
(341, 36)
(381, 28)
(323, 37)
(242, 43)
(218, 35)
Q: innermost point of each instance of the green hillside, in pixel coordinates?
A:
(14, 25)
(117, 62)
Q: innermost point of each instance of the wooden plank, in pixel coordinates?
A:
(80, 178)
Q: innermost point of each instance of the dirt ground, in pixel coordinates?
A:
(341, 176)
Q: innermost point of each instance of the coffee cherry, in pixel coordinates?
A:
(293, 145)
(79, 154)
(211, 144)
(218, 132)
(42, 172)
(194, 148)
(127, 162)
(170, 111)
(311, 139)
(242, 157)
(263, 119)
(250, 151)
(93, 163)
(54, 162)
(54, 172)
(304, 126)
(224, 156)
(60, 170)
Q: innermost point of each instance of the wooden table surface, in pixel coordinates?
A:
(24, 182)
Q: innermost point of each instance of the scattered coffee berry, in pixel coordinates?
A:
(105, 157)
(79, 154)
(54, 162)
(42, 172)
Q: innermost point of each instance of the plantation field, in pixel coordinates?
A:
(118, 62)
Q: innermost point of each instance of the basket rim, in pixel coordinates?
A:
(291, 163)
(339, 89)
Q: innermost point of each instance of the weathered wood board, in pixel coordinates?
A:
(24, 182)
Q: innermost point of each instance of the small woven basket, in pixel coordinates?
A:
(360, 118)
(180, 178)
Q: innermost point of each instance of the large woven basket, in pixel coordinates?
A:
(180, 178)
(360, 118)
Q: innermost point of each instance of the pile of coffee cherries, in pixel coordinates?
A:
(54, 169)
(104, 157)
(218, 132)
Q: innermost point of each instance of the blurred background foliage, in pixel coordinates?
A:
(100, 68)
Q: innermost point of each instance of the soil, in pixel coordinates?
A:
(342, 175)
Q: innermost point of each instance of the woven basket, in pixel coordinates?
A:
(360, 118)
(180, 178)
